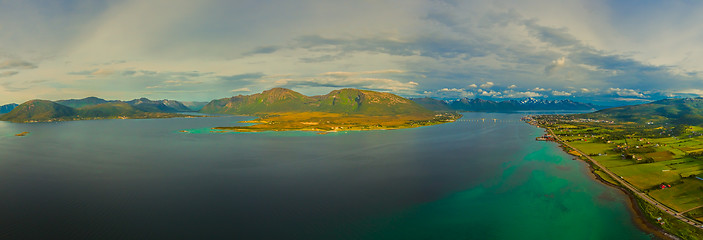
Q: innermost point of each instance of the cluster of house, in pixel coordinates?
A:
(546, 137)
(588, 120)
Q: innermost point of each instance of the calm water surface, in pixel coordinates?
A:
(143, 179)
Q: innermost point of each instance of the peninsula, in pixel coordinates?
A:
(281, 109)
(652, 151)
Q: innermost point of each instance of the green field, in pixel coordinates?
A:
(645, 155)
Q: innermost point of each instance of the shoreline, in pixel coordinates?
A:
(638, 218)
(319, 131)
(324, 123)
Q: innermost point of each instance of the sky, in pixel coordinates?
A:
(606, 52)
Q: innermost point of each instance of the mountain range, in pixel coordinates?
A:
(481, 105)
(687, 111)
(277, 100)
(92, 108)
(7, 108)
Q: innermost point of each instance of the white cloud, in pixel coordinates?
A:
(449, 93)
(241, 90)
(555, 65)
(103, 72)
(632, 99)
(560, 93)
(539, 89)
(473, 85)
(512, 86)
(487, 85)
(382, 84)
(517, 94)
(626, 92)
(352, 74)
(452, 90)
(490, 93)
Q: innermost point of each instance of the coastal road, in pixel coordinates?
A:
(632, 188)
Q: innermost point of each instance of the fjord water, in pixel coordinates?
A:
(143, 179)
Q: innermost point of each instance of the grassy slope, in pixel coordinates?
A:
(345, 109)
(433, 104)
(344, 101)
(109, 110)
(677, 111)
(274, 100)
(43, 110)
(79, 103)
(38, 110)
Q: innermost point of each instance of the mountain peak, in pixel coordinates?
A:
(347, 101)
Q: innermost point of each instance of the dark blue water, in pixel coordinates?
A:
(143, 179)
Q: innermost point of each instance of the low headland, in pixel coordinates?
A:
(333, 122)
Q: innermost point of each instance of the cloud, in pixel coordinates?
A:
(262, 50)
(448, 93)
(241, 90)
(8, 73)
(352, 74)
(559, 37)
(539, 89)
(16, 64)
(632, 99)
(626, 92)
(512, 86)
(560, 93)
(431, 44)
(423, 45)
(487, 85)
(103, 72)
(381, 84)
(243, 77)
(490, 93)
(556, 64)
(517, 94)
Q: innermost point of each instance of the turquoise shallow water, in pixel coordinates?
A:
(117, 179)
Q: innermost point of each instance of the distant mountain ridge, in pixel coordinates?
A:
(38, 110)
(143, 104)
(675, 110)
(78, 103)
(345, 101)
(7, 108)
(481, 105)
(147, 105)
(92, 108)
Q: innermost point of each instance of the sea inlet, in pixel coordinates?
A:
(483, 177)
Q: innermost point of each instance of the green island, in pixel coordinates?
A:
(281, 109)
(652, 151)
(332, 122)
